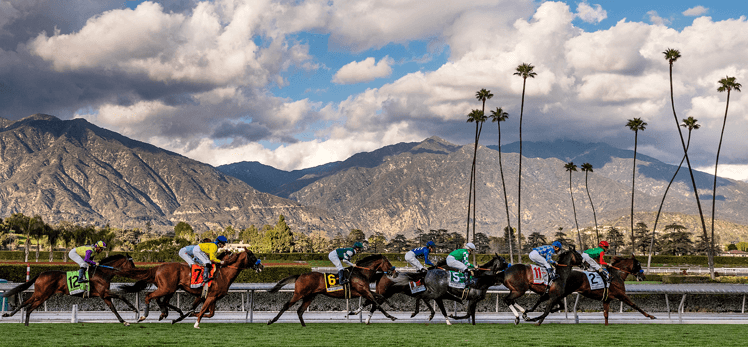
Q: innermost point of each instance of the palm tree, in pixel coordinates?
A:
(498, 115)
(525, 70)
(587, 168)
(671, 55)
(635, 125)
(726, 84)
(691, 124)
(53, 235)
(481, 95)
(478, 117)
(570, 166)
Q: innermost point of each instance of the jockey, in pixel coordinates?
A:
(589, 256)
(206, 254)
(420, 252)
(459, 259)
(542, 256)
(344, 255)
(83, 255)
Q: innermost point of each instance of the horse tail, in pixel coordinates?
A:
(134, 288)
(401, 278)
(21, 287)
(283, 282)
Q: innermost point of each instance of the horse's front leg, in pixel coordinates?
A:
(440, 303)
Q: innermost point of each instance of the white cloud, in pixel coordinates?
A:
(655, 18)
(732, 171)
(363, 71)
(695, 11)
(591, 14)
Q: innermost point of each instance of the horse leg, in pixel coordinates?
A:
(302, 308)
(371, 296)
(209, 301)
(551, 303)
(108, 302)
(296, 297)
(431, 308)
(606, 309)
(155, 294)
(418, 304)
(467, 312)
(625, 299)
(25, 303)
(510, 301)
(440, 303)
(184, 315)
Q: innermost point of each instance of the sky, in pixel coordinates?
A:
(296, 84)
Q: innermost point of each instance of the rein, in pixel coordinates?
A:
(622, 270)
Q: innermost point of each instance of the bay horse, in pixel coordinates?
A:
(307, 286)
(170, 277)
(438, 289)
(52, 282)
(519, 279)
(619, 270)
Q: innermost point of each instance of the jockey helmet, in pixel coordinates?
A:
(557, 244)
(358, 245)
(100, 244)
(469, 245)
(221, 239)
(430, 244)
(604, 244)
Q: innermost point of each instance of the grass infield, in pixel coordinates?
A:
(329, 334)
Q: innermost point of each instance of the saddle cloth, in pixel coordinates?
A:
(196, 278)
(75, 287)
(595, 280)
(539, 274)
(332, 282)
(457, 279)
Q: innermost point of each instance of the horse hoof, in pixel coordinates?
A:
(516, 320)
(448, 322)
(537, 324)
(652, 317)
(142, 318)
(127, 324)
(270, 322)
(197, 325)
(413, 315)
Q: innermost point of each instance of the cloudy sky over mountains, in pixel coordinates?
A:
(295, 84)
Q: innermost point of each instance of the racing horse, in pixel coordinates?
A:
(619, 270)
(438, 289)
(307, 286)
(52, 282)
(172, 276)
(519, 279)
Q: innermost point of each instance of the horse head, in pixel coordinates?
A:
(119, 262)
(245, 259)
(570, 257)
(629, 265)
(496, 264)
(377, 262)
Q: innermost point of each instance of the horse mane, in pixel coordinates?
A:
(369, 259)
(113, 258)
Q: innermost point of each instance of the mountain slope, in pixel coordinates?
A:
(75, 171)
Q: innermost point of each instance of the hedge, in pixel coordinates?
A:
(17, 273)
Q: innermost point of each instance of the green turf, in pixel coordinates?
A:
(327, 334)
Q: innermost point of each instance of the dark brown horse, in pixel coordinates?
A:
(519, 279)
(170, 277)
(307, 286)
(49, 283)
(619, 269)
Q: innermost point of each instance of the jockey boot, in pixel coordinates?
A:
(341, 275)
(82, 275)
(422, 270)
(552, 275)
(206, 273)
(604, 274)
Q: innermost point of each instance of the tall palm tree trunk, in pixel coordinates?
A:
(594, 214)
(574, 208)
(714, 189)
(662, 203)
(519, 179)
(633, 189)
(506, 201)
(710, 256)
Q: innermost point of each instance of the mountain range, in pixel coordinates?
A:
(73, 170)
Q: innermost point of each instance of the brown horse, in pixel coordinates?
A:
(49, 283)
(519, 279)
(619, 269)
(309, 285)
(170, 277)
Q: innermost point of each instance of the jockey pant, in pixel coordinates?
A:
(540, 260)
(587, 259)
(333, 256)
(410, 257)
(201, 256)
(451, 261)
(77, 258)
(187, 256)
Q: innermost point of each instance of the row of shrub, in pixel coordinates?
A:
(17, 273)
(165, 256)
